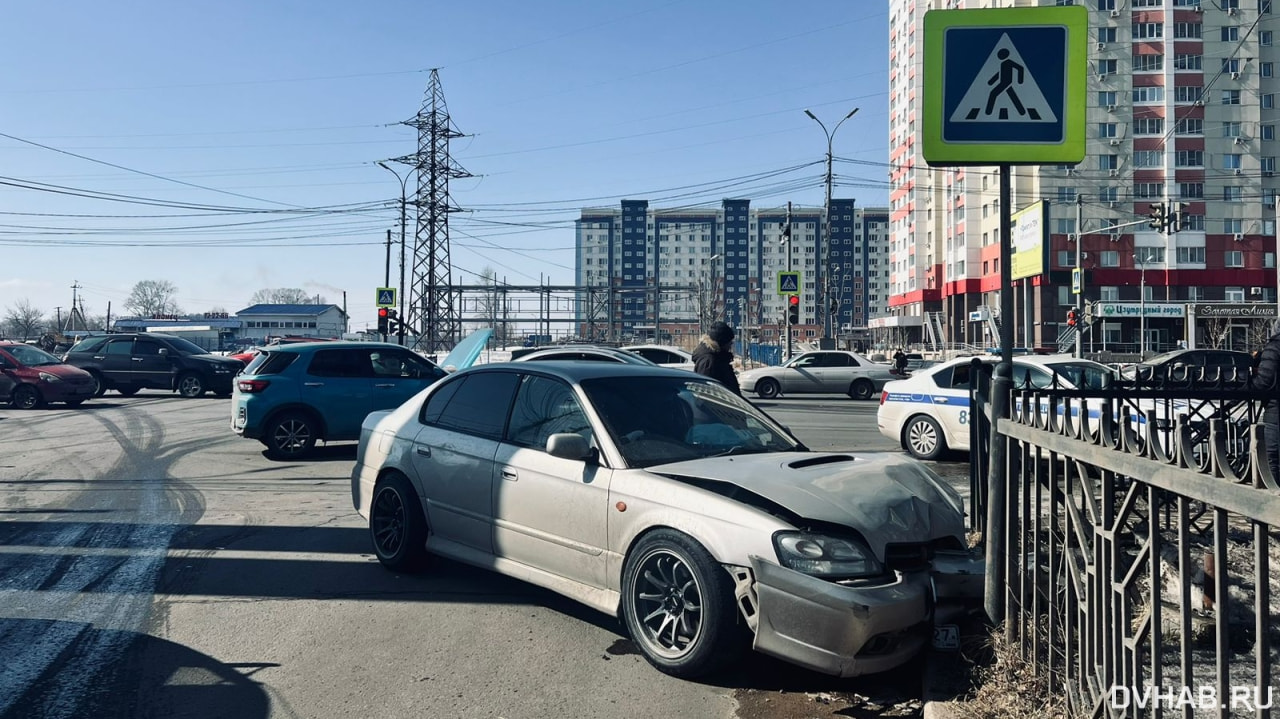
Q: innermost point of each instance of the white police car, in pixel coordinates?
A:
(928, 413)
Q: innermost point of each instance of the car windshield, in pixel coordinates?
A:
(1161, 359)
(656, 420)
(32, 356)
(187, 347)
(1083, 375)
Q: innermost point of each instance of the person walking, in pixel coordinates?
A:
(713, 357)
(1266, 372)
(900, 361)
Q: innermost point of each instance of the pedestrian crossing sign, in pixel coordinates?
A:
(386, 297)
(1005, 85)
(788, 283)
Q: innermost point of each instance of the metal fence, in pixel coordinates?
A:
(1139, 520)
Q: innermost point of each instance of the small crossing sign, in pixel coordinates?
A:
(788, 283)
(386, 297)
(1005, 85)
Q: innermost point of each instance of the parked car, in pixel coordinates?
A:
(584, 354)
(293, 395)
(1192, 365)
(663, 355)
(31, 377)
(823, 371)
(659, 496)
(247, 355)
(928, 413)
(134, 361)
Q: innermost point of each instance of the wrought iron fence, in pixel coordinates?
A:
(1139, 519)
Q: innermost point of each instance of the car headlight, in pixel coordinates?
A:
(46, 377)
(819, 555)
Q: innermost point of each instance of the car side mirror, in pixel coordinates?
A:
(568, 445)
(164, 351)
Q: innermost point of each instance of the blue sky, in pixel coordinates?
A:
(244, 113)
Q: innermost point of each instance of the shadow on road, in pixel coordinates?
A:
(339, 452)
(157, 678)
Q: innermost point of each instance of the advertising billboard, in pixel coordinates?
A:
(1030, 241)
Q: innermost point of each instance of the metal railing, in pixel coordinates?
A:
(1137, 556)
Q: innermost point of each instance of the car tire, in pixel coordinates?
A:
(397, 525)
(291, 435)
(768, 388)
(671, 584)
(190, 385)
(862, 389)
(922, 438)
(128, 391)
(26, 396)
(99, 384)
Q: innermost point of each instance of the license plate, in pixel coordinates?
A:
(946, 637)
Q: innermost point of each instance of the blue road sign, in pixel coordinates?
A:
(386, 297)
(788, 283)
(1005, 84)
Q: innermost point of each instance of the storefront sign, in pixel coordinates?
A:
(1115, 310)
(1244, 311)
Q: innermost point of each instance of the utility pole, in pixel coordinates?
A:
(71, 316)
(786, 237)
(58, 310)
(825, 250)
(401, 289)
(1080, 324)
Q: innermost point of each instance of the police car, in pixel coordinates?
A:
(928, 413)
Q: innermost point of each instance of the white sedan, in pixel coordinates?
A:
(824, 371)
(660, 497)
(663, 355)
(928, 413)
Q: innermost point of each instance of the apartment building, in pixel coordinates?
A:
(667, 272)
(1181, 111)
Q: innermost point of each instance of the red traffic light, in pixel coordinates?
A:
(795, 299)
(382, 312)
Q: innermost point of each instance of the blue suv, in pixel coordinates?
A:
(292, 395)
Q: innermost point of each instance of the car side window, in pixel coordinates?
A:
(340, 363)
(418, 368)
(146, 347)
(545, 407)
(806, 361)
(481, 405)
(387, 363)
(90, 345)
(838, 359)
(439, 399)
(651, 354)
(120, 347)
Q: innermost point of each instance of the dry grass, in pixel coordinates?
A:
(1008, 689)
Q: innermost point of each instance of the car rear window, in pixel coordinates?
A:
(270, 362)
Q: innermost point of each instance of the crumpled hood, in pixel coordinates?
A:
(887, 498)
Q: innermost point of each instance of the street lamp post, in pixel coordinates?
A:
(1142, 306)
(823, 255)
(401, 290)
(707, 299)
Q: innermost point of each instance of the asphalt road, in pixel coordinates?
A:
(153, 564)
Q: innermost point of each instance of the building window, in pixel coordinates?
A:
(1108, 162)
(1190, 190)
(1106, 129)
(1148, 158)
(1148, 126)
(1188, 93)
(1109, 258)
(1233, 258)
(1106, 4)
(1264, 38)
(1106, 34)
(1268, 166)
(1231, 161)
(1230, 97)
(1233, 226)
(1109, 194)
(1268, 132)
(1193, 222)
(1066, 194)
(1230, 33)
(1188, 61)
(1107, 98)
(1106, 67)
(1191, 255)
(1267, 69)
(1233, 193)
(1187, 30)
(1190, 158)
(1268, 101)
(1148, 189)
(1148, 63)
(1231, 129)
(1148, 95)
(1147, 30)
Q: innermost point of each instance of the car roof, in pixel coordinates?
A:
(1039, 360)
(587, 349)
(329, 345)
(670, 348)
(572, 371)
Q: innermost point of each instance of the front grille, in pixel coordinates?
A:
(908, 557)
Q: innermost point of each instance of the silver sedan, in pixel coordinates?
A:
(823, 371)
(660, 497)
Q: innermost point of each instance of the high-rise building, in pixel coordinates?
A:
(1181, 110)
(670, 272)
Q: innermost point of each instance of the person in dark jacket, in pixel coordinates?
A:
(713, 357)
(1265, 373)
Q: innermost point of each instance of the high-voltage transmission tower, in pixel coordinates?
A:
(432, 312)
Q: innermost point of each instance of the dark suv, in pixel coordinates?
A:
(144, 360)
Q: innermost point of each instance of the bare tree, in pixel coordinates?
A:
(1257, 334)
(153, 297)
(23, 320)
(1216, 332)
(285, 296)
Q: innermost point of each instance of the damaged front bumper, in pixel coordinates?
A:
(848, 630)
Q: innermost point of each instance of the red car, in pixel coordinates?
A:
(31, 377)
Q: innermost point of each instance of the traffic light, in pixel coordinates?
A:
(1159, 217)
(384, 317)
(1072, 318)
(1089, 316)
(1179, 218)
(393, 322)
(793, 309)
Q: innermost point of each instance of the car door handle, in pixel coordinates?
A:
(99, 356)
(388, 384)
(313, 384)
(510, 474)
(136, 359)
(941, 400)
(423, 451)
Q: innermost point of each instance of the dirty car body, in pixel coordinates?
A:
(662, 498)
